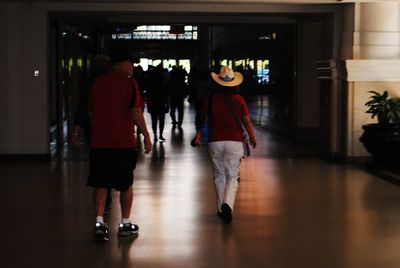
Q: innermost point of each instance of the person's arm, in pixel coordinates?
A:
(197, 138)
(248, 125)
(137, 115)
(140, 122)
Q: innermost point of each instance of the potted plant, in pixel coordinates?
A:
(382, 139)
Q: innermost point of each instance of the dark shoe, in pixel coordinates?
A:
(226, 213)
(100, 232)
(125, 229)
(162, 138)
(219, 214)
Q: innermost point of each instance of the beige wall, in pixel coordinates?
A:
(377, 31)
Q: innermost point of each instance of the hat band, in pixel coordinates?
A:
(227, 78)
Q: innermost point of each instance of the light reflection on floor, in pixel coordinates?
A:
(292, 210)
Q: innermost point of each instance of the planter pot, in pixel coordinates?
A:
(382, 141)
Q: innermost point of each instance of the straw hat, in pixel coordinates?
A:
(227, 77)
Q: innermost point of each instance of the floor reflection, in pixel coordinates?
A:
(292, 210)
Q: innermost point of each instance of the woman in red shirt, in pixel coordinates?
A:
(227, 116)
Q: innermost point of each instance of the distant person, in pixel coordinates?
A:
(249, 85)
(114, 108)
(199, 89)
(177, 94)
(139, 78)
(157, 100)
(225, 141)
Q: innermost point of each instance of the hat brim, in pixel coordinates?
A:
(237, 80)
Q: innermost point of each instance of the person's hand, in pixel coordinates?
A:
(197, 138)
(253, 142)
(147, 145)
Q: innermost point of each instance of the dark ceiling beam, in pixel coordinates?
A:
(237, 7)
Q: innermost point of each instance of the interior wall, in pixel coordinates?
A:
(310, 50)
(347, 32)
(23, 96)
(377, 31)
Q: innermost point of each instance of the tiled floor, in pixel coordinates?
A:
(291, 212)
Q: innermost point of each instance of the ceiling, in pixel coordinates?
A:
(102, 12)
(200, 1)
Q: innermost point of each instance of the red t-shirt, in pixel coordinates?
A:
(138, 95)
(110, 104)
(223, 125)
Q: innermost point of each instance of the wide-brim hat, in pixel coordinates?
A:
(227, 77)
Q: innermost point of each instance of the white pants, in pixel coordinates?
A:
(225, 157)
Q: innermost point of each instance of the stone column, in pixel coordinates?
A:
(373, 65)
(377, 31)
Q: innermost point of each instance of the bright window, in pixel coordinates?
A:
(157, 32)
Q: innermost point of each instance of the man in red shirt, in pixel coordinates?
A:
(115, 107)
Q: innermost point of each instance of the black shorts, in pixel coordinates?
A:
(112, 168)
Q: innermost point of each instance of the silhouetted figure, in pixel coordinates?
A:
(199, 88)
(177, 94)
(157, 100)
